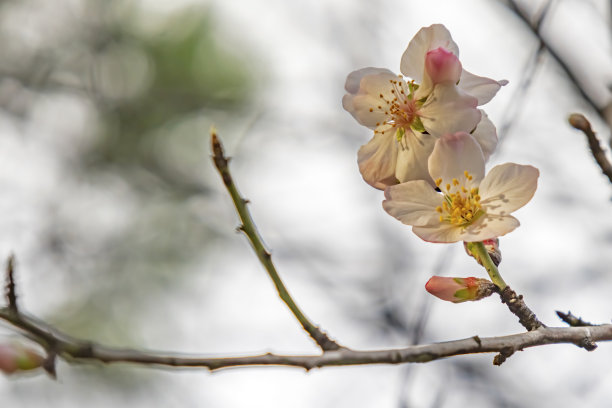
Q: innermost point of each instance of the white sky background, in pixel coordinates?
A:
(297, 165)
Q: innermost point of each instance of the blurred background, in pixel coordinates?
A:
(124, 233)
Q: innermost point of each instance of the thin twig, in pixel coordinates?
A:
(11, 295)
(535, 29)
(250, 230)
(579, 122)
(75, 350)
(572, 320)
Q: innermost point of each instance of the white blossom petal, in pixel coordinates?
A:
(449, 110)
(482, 88)
(486, 135)
(444, 233)
(453, 154)
(508, 187)
(426, 39)
(377, 160)
(486, 227)
(412, 157)
(489, 226)
(413, 203)
(363, 100)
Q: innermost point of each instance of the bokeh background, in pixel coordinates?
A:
(124, 234)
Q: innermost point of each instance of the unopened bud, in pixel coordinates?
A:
(492, 247)
(459, 290)
(19, 357)
(442, 66)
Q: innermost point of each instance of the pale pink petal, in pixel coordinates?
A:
(449, 110)
(486, 227)
(353, 79)
(365, 103)
(413, 203)
(484, 89)
(508, 187)
(412, 157)
(377, 160)
(426, 39)
(486, 135)
(454, 154)
(489, 226)
(444, 233)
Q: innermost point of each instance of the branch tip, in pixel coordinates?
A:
(11, 295)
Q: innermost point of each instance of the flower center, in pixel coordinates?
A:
(401, 110)
(461, 206)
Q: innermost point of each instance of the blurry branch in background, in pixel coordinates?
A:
(58, 344)
(579, 122)
(250, 230)
(585, 59)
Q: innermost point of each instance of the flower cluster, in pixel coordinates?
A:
(409, 112)
(428, 154)
(431, 143)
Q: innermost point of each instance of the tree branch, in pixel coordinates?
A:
(250, 230)
(76, 350)
(579, 122)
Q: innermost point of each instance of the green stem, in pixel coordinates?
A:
(481, 254)
(250, 230)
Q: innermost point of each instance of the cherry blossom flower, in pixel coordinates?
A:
(459, 290)
(407, 116)
(469, 206)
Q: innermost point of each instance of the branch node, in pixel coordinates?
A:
(504, 353)
(518, 307)
(477, 340)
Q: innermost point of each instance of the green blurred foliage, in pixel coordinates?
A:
(155, 85)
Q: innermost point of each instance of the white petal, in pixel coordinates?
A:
(454, 154)
(377, 160)
(353, 79)
(412, 157)
(486, 135)
(444, 233)
(488, 227)
(413, 203)
(449, 110)
(428, 38)
(482, 88)
(373, 82)
(508, 187)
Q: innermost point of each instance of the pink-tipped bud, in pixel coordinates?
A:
(442, 66)
(492, 247)
(19, 357)
(459, 290)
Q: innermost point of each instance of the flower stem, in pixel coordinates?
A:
(481, 254)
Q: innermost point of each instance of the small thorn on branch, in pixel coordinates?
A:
(11, 295)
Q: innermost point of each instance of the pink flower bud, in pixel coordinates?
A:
(492, 247)
(442, 66)
(18, 357)
(459, 290)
